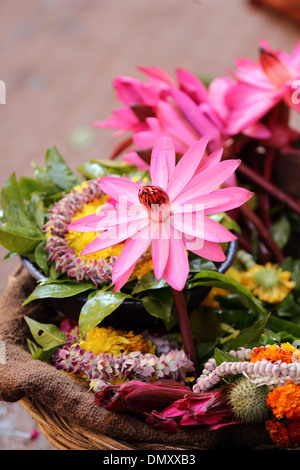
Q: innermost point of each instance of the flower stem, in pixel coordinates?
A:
(269, 187)
(120, 148)
(263, 231)
(265, 197)
(185, 328)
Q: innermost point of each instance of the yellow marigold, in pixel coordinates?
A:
(109, 340)
(143, 268)
(269, 283)
(289, 347)
(285, 401)
(273, 354)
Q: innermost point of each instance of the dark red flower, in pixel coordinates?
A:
(195, 409)
(141, 397)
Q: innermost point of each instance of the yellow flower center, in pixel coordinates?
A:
(269, 283)
(79, 240)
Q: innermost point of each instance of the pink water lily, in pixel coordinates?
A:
(181, 108)
(262, 85)
(171, 213)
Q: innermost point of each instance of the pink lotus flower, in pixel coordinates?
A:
(171, 213)
(262, 85)
(182, 109)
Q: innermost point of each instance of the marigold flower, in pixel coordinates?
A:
(278, 432)
(109, 340)
(285, 401)
(284, 434)
(269, 283)
(272, 353)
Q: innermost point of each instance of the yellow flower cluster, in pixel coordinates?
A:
(79, 240)
(268, 283)
(273, 353)
(108, 340)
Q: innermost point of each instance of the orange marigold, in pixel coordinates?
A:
(285, 401)
(272, 353)
(287, 435)
(278, 432)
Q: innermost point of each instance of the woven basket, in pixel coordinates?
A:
(66, 411)
(64, 436)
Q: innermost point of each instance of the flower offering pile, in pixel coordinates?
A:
(173, 264)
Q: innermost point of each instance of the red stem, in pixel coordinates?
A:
(265, 197)
(263, 231)
(120, 148)
(269, 187)
(185, 329)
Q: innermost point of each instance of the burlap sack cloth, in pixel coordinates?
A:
(66, 411)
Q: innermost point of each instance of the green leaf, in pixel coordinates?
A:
(11, 201)
(200, 264)
(96, 168)
(15, 212)
(31, 346)
(36, 210)
(28, 186)
(40, 256)
(99, 306)
(57, 289)
(43, 355)
(211, 278)
(44, 180)
(281, 231)
(59, 171)
(159, 304)
(250, 335)
(15, 239)
(46, 335)
(280, 324)
(223, 356)
(147, 282)
(92, 170)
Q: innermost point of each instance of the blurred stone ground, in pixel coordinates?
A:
(19, 431)
(58, 60)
